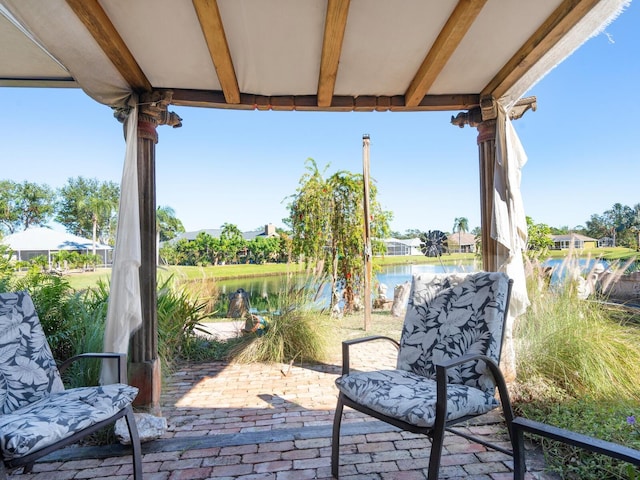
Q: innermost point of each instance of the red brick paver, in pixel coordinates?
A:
(274, 422)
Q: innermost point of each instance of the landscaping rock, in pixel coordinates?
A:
(150, 427)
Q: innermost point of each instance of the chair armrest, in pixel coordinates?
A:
(441, 385)
(346, 344)
(120, 357)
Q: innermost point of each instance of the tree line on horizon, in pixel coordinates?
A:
(621, 223)
(88, 208)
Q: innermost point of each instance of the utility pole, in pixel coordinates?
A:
(367, 234)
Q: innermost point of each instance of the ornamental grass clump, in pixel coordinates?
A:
(575, 345)
(298, 331)
(578, 369)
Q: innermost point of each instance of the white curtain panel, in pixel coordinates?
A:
(509, 224)
(124, 314)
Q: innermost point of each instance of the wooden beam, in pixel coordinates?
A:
(565, 17)
(102, 30)
(216, 99)
(213, 30)
(335, 24)
(442, 49)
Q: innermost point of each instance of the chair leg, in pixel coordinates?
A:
(335, 441)
(434, 458)
(519, 465)
(135, 444)
(437, 441)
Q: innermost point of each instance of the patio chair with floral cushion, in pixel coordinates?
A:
(447, 366)
(37, 414)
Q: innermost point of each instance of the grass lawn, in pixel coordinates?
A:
(222, 272)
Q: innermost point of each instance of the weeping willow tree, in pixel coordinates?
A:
(326, 217)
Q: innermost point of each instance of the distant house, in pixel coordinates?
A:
(605, 242)
(573, 240)
(43, 241)
(268, 231)
(466, 240)
(397, 246)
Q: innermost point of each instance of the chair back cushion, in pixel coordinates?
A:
(28, 371)
(451, 315)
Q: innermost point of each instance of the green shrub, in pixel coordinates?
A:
(179, 313)
(604, 419)
(88, 312)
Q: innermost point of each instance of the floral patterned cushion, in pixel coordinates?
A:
(28, 371)
(410, 397)
(58, 416)
(451, 315)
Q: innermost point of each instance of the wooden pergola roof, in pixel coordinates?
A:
(325, 55)
(331, 55)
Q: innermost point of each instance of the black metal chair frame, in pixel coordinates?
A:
(435, 433)
(585, 442)
(28, 460)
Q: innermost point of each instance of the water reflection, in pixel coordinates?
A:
(264, 292)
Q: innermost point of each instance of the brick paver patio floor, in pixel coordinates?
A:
(274, 422)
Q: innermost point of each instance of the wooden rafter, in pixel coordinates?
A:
(334, 27)
(565, 17)
(102, 30)
(445, 45)
(213, 30)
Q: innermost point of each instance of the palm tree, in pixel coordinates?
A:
(167, 224)
(101, 209)
(460, 224)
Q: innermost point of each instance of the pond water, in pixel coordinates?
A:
(264, 292)
(560, 267)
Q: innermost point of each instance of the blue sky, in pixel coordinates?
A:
(238, 167)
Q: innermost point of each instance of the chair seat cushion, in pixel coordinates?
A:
(411, 398)
(54, 418)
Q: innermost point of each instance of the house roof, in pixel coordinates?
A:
(410, 242)
(46, 239)
(465, 238)
(216, 232)
(571, 237)
(335, 55)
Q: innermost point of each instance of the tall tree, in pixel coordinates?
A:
(231, 242)
(327, 223)
(263, 249)
(25, 204)
(309, 215)
(634, 225)
(460, 225)
(87, 208)
(538, 238)
(617, 219)
(597, 226)
(8, 210)
(168, 224)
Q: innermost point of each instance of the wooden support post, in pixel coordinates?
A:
(484, 119)
(487, 155)
(144, 369)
